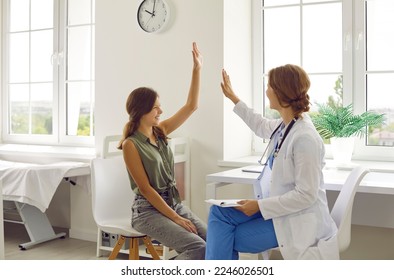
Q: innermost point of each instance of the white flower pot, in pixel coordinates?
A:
(342, 149)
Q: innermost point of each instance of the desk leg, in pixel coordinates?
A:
(210, 191)
(37, 225)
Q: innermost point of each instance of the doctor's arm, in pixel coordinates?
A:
(261, 126)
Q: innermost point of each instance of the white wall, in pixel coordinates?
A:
(127, 58)
(238, 64)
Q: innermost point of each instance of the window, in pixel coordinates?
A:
(345, 48)
(377, 73)
(48, 72)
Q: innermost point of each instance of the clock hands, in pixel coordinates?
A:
(151, 13)
(153, 9)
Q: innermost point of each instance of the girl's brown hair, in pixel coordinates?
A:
(291, 84)
(139, 102)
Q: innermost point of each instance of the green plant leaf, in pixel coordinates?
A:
(336, 121)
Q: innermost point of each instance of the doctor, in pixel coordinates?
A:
(292, 213)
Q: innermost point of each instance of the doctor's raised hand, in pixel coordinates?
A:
(227, 88)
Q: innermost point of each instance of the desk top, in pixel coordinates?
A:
(373, 182)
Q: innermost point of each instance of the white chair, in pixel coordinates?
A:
(111, 202)
(342, 210)
(110, 150)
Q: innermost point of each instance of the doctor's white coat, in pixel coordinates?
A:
(297, 203)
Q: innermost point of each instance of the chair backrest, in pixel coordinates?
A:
(342, 209)
(111, 192)
(109, 146)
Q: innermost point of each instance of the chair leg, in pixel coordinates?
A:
(99, 243)
(117, 247)
(264, 255)
(151, 249)
(134, 253)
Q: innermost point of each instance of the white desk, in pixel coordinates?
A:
(373, 182)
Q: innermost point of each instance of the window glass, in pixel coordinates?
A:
(42, 108)
(30, 72)
(322, 50)
(379, 68)
(19, 15)
(41, 14)
(19, 55)
(79, 53)
(281, 41)
(79, 108)
(379, 88)
(380, 35)
(41, 52)
(19, 96)
(80, 71)
(325, 88)
(268, 3)
(318, 1)
(79, 12)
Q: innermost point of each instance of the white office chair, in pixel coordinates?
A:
(342, 210)
(111, 201)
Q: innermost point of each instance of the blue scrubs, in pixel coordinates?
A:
(230, 231)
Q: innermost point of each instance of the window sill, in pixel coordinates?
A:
(373, 165)
(45, 154)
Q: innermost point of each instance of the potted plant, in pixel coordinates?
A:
(341, 126)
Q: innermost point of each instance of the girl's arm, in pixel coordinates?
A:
(172, 123)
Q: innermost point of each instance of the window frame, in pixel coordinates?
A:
(59, 135)
(353, 18)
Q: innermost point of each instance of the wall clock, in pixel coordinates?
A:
(153, 15)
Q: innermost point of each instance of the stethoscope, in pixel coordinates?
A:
(277, 148)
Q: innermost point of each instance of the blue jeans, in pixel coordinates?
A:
(230, 231)
(146, 219)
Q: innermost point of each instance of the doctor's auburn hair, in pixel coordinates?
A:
(291, 84)
(139, 103)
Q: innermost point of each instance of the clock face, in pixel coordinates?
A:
(153, 15)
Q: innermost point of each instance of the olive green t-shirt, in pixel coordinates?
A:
(158, 162)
